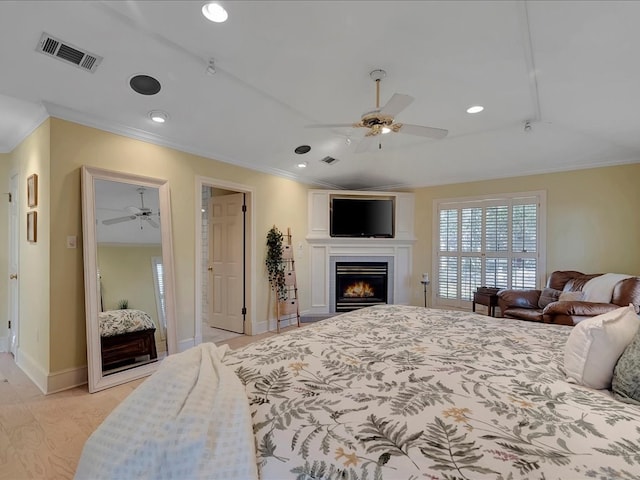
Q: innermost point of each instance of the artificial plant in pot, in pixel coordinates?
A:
(275, 265)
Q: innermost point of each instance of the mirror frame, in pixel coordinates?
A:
(96, 380)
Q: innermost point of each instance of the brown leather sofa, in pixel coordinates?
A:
(544, 305)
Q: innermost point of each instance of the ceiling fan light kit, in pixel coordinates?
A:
(142, 213)
(381, 121)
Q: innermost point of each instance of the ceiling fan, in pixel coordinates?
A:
(143, 213)
(381, 121)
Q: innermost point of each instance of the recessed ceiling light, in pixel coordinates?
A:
(475, 109)
(158, 116)
(385, 130)
(302, 149)
(214, 12)
(302, 165)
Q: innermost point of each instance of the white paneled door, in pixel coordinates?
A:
(226, 262)
(13, 266)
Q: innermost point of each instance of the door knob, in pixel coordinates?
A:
(210, 269)
(13, 276)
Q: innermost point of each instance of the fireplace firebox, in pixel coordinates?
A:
(360, 284)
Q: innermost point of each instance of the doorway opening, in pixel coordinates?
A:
(14, 314)
(223, 270)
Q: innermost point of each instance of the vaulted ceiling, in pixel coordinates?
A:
(568, 67)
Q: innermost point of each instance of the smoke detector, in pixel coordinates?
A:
(64, 51)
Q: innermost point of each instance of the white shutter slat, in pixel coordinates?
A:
(496, 227)
(449, 230)
(448, 277)
(471, 229)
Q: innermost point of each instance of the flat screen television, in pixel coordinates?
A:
(362, 217)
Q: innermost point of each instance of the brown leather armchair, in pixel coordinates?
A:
(544, 305)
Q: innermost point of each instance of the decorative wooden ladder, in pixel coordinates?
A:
(289, 307)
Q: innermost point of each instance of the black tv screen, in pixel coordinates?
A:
(362, 217)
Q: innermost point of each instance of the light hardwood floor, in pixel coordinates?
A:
(41, 436)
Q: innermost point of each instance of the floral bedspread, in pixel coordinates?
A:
(397, 392)
(115, 322)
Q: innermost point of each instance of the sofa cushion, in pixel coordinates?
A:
(532, 314)
(626, 375)
(595, 345)
(627, 291)
(570, 296)
(559, 278)
(547, 296)
(576, 283)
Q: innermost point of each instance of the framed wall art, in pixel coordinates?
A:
(32, 190)
(32, 227)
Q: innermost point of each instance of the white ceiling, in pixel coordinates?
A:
(571, 67)
(118, 200)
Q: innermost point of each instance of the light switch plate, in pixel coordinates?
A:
(72, 241)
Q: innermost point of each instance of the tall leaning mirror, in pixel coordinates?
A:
(128, 275)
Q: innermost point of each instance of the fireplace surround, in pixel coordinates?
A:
(325, 251)
(359, 284)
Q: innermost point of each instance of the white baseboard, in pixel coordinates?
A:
(34, 371)
(186, 344)
(51, 382)
(4, 344)
(271, 325)
(66, 379)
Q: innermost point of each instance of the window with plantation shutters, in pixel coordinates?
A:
(490, 241)
(158, 282)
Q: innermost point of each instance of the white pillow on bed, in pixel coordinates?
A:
(595, 345)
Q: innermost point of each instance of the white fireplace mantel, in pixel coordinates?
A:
(323, 247)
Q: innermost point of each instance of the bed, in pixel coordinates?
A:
(386, 392)
(126, 335)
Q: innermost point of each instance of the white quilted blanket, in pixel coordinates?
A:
(600, 289)
(196, 425)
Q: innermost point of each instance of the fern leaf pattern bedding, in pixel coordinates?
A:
(398, 392)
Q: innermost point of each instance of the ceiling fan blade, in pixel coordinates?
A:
(367, 144)
(112, 221)
(421, 131)
(133, 210)
(152, 222)
(396, 104)
(332, 125)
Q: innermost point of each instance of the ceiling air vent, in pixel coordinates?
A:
(329, 160)
(66, 52)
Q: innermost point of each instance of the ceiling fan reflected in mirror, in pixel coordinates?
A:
(142, 213)
(381, 121)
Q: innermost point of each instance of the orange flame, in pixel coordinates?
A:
(359, 289)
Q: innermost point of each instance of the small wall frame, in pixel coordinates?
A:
(32, 190)
(32, 227)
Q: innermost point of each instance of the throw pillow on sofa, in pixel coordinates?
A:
(595, 345)
(571, 296)
(626, 375)
(547, 296)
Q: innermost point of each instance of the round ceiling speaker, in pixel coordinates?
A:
(144, 84)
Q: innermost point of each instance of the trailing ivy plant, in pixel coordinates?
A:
(275, 265)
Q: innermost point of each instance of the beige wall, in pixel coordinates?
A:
(277, 201)
(126, 273)
(592, 218)
(5, 168)
(33, 156)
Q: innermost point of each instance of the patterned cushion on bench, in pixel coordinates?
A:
(115, 322)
